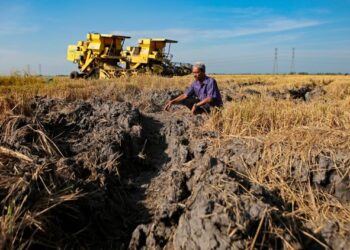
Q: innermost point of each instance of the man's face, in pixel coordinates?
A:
(198, 74)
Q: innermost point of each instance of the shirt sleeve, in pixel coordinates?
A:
(190, 90)
(212, 89)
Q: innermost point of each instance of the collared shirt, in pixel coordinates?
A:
(205, 89)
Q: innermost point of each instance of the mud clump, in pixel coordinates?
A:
(221, 210)
(77, 185)
(305, 93)
(103, 175)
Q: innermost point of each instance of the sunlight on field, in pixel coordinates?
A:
(295, 127)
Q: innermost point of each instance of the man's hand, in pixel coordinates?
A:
(194, 107)
(168, 105)
(176, 100)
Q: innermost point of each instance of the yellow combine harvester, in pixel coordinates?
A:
(102, 56)
(150, 57)
(97, 57)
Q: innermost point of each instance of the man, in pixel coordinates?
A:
(204, 88)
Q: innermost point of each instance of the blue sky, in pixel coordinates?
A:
(229, 36)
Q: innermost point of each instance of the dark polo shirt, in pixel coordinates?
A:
(207, 88)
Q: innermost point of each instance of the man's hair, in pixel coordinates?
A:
(200, 66)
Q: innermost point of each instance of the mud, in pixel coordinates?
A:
(85, 148)
(242, 91)
(306, 92)
(107, 176)
(208, 204)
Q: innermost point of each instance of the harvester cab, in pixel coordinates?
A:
(149, 56)
(97, 57)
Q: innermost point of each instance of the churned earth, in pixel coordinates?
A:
(100, 174)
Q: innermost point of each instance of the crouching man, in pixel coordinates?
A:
(204, 92)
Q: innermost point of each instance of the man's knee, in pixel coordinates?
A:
(189, 102)
(203, 109)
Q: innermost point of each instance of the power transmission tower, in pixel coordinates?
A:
(28, 70)
(39, 69)
(275, 63)
(292, 65)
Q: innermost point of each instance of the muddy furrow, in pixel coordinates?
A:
(199, 201)
(103, 175)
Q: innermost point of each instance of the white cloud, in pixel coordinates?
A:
(320, 11)
(188, 35)
(241, 12)
(13, 28)
(12, 21)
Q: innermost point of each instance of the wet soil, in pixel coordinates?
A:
(106, 176)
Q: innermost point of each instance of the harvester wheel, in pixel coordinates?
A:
(157, 69)
(74, 75)
(93, 74)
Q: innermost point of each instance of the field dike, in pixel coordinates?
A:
(99, 174)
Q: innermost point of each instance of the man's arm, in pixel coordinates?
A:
(176, 100)
(209, 99)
